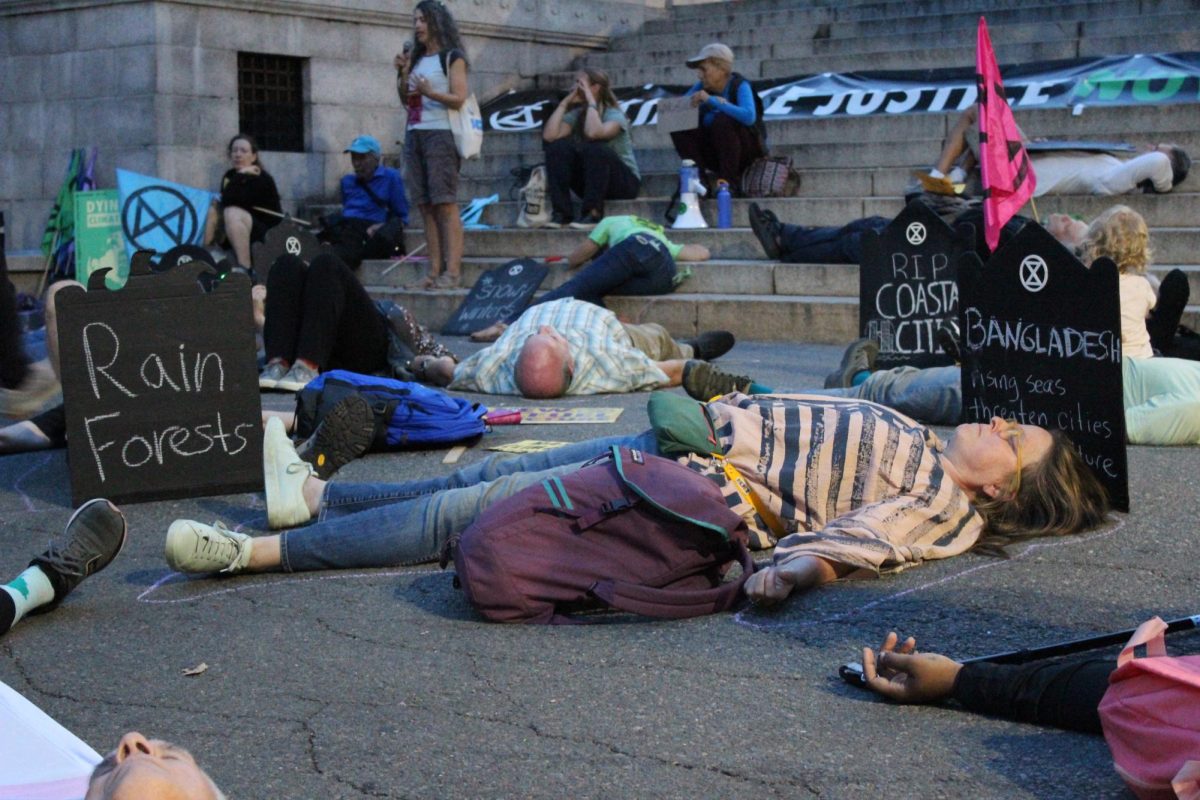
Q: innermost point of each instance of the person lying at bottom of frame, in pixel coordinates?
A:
(1062, 693)
(845, 486)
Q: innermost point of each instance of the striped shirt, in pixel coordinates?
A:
(605, 358)
(851, 481)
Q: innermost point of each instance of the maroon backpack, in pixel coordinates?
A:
(631, 531)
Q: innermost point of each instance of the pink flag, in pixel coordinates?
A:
(1008, 179)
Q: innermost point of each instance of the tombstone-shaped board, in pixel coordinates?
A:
(1041, 344)
(286, 238)
(160, 386)
(906, 286)
(497, 294)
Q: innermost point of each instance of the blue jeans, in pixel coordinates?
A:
(932, 395)
(381, 525)
(805, 245)
(637, 265)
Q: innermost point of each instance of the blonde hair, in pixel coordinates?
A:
(1121, 234)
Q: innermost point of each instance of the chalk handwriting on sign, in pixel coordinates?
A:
(907, 288)
(498, 293)
(1033, 353)
(160, 402)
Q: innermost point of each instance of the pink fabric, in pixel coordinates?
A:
(1151, 715)
(65, 789)
(1008, 179)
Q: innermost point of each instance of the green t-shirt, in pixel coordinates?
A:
(614, 230)
(621, 144)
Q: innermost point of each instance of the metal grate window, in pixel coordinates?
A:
(271, 100)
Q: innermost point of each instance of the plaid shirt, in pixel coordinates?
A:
(605, 358)
(851, 481)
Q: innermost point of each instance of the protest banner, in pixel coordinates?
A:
(160, 401)
(98, 240)
(498, 293)
(1147, 79)
(906, 286)
(1041, 344)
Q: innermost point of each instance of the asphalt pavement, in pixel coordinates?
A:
(384, 683)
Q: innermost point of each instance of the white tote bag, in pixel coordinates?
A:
(466, 124)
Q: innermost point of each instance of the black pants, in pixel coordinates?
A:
(725, 148)
(352, 245)
(321, 313)
(1163, 321)
(592, 170)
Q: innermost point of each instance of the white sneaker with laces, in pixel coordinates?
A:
(284, 473)
(296, 378)
(194, 547)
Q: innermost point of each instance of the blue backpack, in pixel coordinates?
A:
(406, 414)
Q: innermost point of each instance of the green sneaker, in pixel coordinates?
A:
(859, 357)
(194, 547)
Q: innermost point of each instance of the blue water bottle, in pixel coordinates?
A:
(724, 205)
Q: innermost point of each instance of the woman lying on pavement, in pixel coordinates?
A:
(844, 486)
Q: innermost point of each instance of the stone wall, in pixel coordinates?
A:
(154, 84)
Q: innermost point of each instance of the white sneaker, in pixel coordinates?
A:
(198, 548)
(284, 474)
(296, 378)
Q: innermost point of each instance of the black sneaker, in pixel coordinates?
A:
(711, 344)
(947, 338)
(703, 381)
(766, 229)
(94, 535)
(345, 433)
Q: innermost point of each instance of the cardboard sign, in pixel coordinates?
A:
(498, 293)
(286, 238)
(183, 254)
(160, 386)
(906, 286)
(98, 240)
(1041, 344)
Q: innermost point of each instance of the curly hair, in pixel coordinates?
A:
(441, 29)
(1058, 495)
(1121, 234)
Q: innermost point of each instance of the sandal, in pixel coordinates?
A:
(448, 281)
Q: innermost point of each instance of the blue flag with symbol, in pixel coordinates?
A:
(158, 215)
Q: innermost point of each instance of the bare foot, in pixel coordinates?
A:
(489, 334)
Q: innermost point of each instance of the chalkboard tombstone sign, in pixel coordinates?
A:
(286, 238)
(1041, 344)
(906, 286)
(497, 294)
(160, 385)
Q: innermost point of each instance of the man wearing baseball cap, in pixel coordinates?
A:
(730, 132)
(374, 208)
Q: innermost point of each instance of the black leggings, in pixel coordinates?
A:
(322, 314)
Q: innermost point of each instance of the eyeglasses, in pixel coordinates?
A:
(1015, 435)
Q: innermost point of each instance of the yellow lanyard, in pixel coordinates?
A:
(748, 494)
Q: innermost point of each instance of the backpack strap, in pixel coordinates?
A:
(649, 601)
